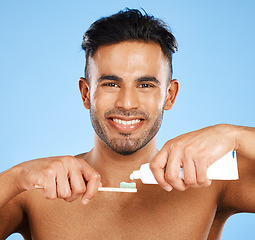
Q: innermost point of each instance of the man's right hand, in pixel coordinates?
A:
(63, 177)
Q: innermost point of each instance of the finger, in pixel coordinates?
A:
(63, 187)
(157, 166)
(189, 171)
(78, 185)
(92, 189)
(201, 175)
(93, 182)
(173, 169)
(49, 188)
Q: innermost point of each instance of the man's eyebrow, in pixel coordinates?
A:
(148, 79)
(118, 79)
(109, 77)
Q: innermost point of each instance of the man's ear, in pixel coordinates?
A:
(84, 89)
(171, 94)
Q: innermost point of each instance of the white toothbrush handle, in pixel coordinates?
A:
(111, 189)
(106, 189)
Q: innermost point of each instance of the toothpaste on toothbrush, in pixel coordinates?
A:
(223, 169)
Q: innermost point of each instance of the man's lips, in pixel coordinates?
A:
(127, 124)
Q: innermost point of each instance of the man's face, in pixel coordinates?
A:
(128, 89)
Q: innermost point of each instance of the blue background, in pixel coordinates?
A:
(41, 61)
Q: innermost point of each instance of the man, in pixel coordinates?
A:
(127, 86)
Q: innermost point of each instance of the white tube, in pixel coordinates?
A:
(223, 169)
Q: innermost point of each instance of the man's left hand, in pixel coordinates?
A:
(194, 152)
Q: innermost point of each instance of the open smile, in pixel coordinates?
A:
(126, 125)
(123, 122)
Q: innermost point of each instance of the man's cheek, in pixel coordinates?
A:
(153, 104)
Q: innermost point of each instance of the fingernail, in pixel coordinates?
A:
(168, 188)
(85, 201)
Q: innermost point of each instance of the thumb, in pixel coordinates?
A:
(158, 165)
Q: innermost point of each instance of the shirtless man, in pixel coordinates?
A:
(127, 87)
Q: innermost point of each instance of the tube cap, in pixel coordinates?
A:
(135, 175)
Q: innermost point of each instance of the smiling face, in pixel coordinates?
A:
(128, 91)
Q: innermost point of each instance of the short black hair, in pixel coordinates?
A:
(128, 24)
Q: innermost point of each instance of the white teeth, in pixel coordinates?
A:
(123, 122)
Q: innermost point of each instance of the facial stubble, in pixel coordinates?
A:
(126, 144)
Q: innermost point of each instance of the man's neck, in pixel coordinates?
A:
(115, 168)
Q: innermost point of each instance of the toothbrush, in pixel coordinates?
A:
(124, 187)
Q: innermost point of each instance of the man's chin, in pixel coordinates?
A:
(125, 152)
(124, 148)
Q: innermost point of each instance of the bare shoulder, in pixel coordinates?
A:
(82, 155)
(235, 196)
(239, 196)
(13, 218)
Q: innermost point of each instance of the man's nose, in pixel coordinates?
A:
(127, 99)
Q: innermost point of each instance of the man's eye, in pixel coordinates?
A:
(110, 85)
(145, 85)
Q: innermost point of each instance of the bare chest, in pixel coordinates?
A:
(159, 215)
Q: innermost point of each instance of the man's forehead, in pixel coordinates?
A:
(126, 48)
(130, 57)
